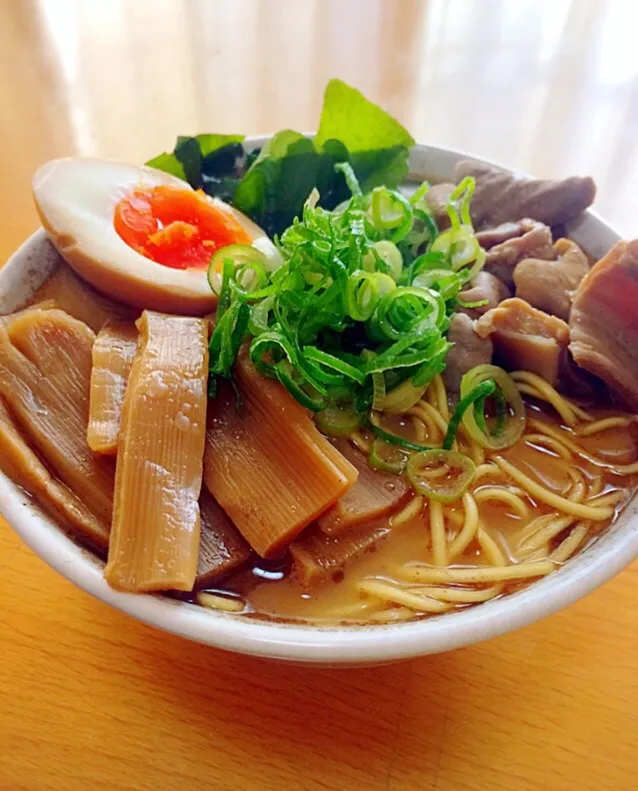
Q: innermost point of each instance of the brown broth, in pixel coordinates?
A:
(338, 599)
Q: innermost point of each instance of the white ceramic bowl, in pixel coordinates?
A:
(614, 550)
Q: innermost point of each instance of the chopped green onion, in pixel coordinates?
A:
(350, 177)
(389, 254)
(268, 346)
(363, 292)
(335, 363)
(479, 303)
(238, 254)
(250, 277)
(387, 211)
(406, 307)
(476, 267)
(403, 397)
(462, 193)
(334, 421)
(378, 391)
(227, 338)
(288, 377)
(501, 412)
(386, 457)
(419, 194)
(393, 439)
(356, 313)
(259, 314)
(423, 472)
(425, 263)
(391, 211)
(459, 244)
(475, 396)
(509, 426)
(424, 229)
(224, 294)
(447, 283)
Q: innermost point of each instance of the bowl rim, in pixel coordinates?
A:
(317, 643)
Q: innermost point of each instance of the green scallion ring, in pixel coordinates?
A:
(335, 421)
(285, 372)
(238, 254)
(435, 487)
(510, 427)
(386, 457)
(393, 439)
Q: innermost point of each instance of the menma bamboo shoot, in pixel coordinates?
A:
(375, 494)
(317, 555)
(22, 465)
(113, 353)
(221, 547)
(266, 463)
(45, 372)
(156, 518)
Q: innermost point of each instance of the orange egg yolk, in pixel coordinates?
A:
(175, 227)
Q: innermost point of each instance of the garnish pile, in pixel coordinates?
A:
(354, 321)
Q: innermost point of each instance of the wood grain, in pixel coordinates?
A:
(90, 699)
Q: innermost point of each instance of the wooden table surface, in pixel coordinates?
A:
(90, 699)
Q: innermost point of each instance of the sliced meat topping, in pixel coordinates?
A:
(468, 351)
(549, 285)
(535, 241)
(483, 288)
(490, 237)
(526, 338)
(603, 322)
(501, 196)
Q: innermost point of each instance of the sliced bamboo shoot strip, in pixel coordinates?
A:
(45, 370)
(317, 555)
(266, 463)
(113, 353)
(19, 462)
(156, 518)
(221, 547)
(375, 494)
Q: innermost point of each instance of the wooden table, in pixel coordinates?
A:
(90, 699)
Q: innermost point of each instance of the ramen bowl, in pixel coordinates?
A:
(314, 643)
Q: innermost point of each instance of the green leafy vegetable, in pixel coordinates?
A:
(271, 185)
(278, 182)
(214, 163)
(377, 144)
(358, 123)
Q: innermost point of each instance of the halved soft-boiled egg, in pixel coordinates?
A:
(138, 235)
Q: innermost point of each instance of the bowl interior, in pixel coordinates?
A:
(598, 562)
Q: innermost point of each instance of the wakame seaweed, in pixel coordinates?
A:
(271, 185)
